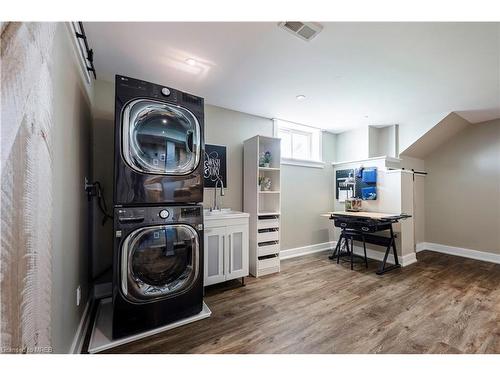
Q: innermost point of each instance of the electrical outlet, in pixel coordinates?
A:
(78, 295)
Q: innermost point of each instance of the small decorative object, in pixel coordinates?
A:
(265, 159)
(265, 184)
(353, 204)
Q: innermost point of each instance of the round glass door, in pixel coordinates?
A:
(159, 262)
(160, 138)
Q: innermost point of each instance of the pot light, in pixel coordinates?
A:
(191, 62)
(300, 97)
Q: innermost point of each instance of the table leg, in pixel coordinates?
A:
(364, 249)
(392, 244)
(346, 245)
(352, 253)
(337, 249)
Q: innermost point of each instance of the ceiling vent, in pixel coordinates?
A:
(303, 30)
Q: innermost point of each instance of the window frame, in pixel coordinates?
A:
(315, 136)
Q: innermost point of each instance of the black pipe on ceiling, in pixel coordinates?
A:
(89, 53)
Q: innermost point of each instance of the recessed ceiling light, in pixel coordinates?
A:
(300, 97)
(191, 62)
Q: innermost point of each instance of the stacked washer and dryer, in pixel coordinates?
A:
(158, 217)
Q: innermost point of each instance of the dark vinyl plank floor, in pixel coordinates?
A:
(441, 304)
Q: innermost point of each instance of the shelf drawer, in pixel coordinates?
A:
(270, 262)
(268, 249)
(268, 236)
(268, 223)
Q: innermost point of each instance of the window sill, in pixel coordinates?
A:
(303, 163)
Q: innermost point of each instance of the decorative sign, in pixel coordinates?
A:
(214, 166)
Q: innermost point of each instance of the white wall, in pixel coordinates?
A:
(352, 145)
(387, 142)
(367, 142)
(411, 130)
(71, 157)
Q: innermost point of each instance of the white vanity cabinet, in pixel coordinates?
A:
(225, 246)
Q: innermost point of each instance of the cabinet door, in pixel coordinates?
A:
(237, 251)
(214, 242)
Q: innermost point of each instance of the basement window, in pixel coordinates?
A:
(300, 144)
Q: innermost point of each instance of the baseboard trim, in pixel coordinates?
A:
(405, 260)
(306, 250)
(459, 251)
(371, 254)
(76, 346)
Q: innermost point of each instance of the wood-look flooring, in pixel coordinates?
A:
(441, 304)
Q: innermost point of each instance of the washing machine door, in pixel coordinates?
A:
(159, 262)
(160, 138)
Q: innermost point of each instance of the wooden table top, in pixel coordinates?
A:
(371, 215)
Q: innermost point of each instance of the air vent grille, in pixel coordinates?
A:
(303, 30)
(294, 26)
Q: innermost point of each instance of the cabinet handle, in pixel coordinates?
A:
(229, 253)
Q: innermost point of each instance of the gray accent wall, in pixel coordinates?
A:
(305, 194)
(71, 156)
(230, 128)
(462, 190)
(102, 170)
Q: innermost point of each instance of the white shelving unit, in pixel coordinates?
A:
(264, 207)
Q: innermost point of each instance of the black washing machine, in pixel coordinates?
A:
(158, 266)
(159, 145)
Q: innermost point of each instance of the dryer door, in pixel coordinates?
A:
(160, 138)
(159, 262)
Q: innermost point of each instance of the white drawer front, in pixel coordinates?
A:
(268, 236)
(268, 223)
(269, 263)
(268, 250)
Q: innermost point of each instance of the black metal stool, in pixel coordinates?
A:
(346, 235)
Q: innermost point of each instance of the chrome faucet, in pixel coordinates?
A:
(216, 207)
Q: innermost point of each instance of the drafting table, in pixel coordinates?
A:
(364, 224)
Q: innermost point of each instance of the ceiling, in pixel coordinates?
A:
(352, 74)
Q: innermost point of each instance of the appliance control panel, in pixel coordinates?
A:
(147, 88)
(157, 215)
(131, 215)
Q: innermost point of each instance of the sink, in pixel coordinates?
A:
(222, 211)
(225, 213)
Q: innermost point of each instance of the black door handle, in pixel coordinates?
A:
(189, 140)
